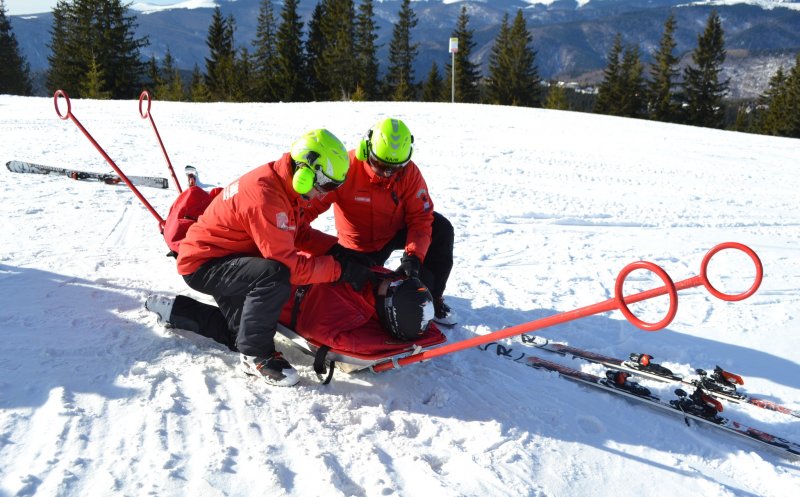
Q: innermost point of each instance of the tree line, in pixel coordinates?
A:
(94, 53)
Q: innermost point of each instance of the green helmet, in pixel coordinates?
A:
(390, 141)
(321, 160)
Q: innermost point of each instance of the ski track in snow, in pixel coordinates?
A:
(548, 207)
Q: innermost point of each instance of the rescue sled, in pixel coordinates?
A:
(326, 358)
(350, 339)
(367, 345)
(338, 326)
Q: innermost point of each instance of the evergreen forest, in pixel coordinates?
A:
(94, 53)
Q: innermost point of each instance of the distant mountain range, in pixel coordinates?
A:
(572, 38)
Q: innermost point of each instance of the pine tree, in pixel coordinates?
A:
(314, 46)
(153, 76)
(63, 71)
(92, 83)
(556, 97)
(702, 86)
(780, 104)
(337, 60)
(662, 101)
(243, 89)
(633, 94)
(497, 87)
(793, 97)
(366, 51)
(404, 92)
(15, 72)
(170, 85)
(290, 69)
(100, 33)
(265, 53)
(610, 90)
(467, 73)
(514, 77)
(122, 63)
(772, 120)
(220, 63)
(434, 89)
(198, 91)
(400, 74)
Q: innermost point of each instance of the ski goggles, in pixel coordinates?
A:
(386, 167)
(325, 184)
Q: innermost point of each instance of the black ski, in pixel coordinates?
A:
(107, 178)
(698, 406)
(720, 384)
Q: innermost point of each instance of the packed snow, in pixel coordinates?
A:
(97, 399)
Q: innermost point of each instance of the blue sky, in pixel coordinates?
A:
(22, 7)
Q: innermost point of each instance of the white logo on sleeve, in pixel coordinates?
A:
(230, 190)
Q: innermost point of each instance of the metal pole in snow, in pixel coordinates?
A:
(453, 50)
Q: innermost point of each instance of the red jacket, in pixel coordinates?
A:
(260, 215)
(369, 210)
(346, 320)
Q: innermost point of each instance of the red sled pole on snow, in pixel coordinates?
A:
(145, 115)
(69, 115)
(617, 303)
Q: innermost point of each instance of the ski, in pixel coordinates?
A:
(107, 178)
(720, 384)
(697, 406)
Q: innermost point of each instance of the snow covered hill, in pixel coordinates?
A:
(97, 399)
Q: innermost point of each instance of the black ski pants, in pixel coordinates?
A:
(250, 293)
(439, 259)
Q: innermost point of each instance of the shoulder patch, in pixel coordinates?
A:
(230, 190)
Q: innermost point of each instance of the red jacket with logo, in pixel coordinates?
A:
(260, 215)
(369, 210)
(346, 320)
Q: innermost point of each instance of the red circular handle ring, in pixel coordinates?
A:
(725, 296)
(144, 96)
(622, 306)
(62, 93)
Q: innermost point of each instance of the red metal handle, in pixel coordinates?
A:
(145, 95)
(618, 302)
(668, 284)
(63, 94)
(731, 297)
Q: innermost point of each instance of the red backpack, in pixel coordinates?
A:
(184, 212)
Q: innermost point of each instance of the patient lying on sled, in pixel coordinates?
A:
(384, 319)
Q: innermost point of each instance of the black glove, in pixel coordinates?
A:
(342, 254)
(356, 274)
(410, 266)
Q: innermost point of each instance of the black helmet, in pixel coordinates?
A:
(405, 308)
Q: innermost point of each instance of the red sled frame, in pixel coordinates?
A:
(383, 362)
(347, 361)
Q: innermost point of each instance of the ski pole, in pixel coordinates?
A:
(617, 303)
(70, 115)
(146, 114)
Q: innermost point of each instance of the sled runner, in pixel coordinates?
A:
(326, 358)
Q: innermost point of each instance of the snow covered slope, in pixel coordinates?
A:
(548, 206)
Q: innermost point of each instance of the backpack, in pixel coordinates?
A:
(183, 213)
